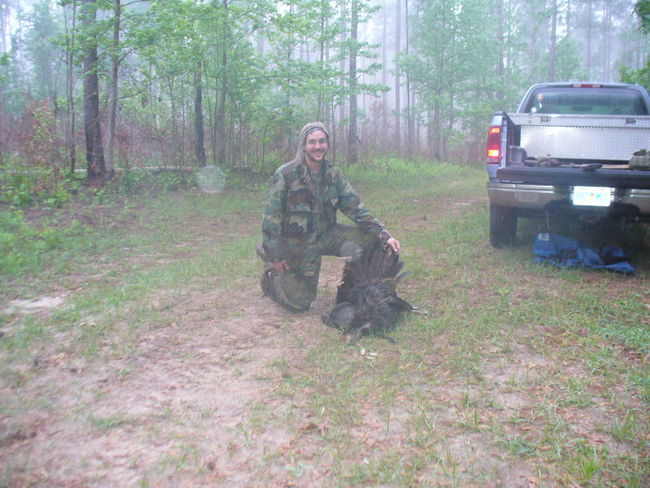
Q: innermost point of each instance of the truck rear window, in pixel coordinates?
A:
(596, 101)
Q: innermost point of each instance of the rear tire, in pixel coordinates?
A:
(503, 226)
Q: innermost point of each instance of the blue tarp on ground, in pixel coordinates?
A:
(565, 252)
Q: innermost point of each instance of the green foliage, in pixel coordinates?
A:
(42, 49)
(138, 181)
(640, 76)
(4, 62)
(449, 66)
(22, 246)
(264, 67)
(16, 190)
(568, 61)
(642, 9)
(637, 76)
(23, 186)
(36, 175)
(311, 87)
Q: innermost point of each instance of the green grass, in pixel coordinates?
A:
(516, 367)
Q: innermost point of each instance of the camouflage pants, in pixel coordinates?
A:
(295, 289)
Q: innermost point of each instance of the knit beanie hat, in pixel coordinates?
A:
(304, 132)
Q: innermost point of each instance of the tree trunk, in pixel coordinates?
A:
(115, 61)
(589, 34)
(70, 112)
(431, 132)
(353, 137)
(220, 120)
(94, 149)
(437, 127)
(409, 107)
(384, 72)
(552, 55)
(398, 35)
(198, 118)
(607, 40)
(321, 50)
(342, 80)
(175, 147)
(501, 71)
(5, 29)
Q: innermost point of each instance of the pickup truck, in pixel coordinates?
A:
(567, 151)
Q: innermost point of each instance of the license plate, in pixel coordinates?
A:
(591, 196)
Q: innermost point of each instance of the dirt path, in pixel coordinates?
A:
(182, 402)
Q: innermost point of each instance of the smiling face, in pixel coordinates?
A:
(316, 146)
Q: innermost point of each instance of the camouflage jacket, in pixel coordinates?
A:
(290, 223)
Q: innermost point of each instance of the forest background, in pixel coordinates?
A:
(104, 85)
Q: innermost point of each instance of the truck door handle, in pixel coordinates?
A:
(630, 121)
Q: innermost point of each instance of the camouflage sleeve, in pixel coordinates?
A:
(350, 204)
(272, 238)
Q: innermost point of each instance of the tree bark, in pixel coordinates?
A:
(5, 29)
(409, 105)
(70, 112)
(384, 70)
(94, 149)
(321, 49)
(501, 71)
(353, 136)
(198, 118)
(115, 62)
(220, 119)
(607, 40)
(342, 80)
(398, 35)
(552, 55)
(589, 34)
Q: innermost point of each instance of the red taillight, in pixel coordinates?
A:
(586, 85)
(494, 145)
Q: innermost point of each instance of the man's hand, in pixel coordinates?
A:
(280, 266)
(393, 244)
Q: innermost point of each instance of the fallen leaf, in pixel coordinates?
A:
(532, 481)
(310, 427)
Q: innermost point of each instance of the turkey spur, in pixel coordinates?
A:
(366, 299)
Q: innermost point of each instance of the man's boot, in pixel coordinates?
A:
(265, 280)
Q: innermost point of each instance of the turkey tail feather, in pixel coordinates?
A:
(368, 290)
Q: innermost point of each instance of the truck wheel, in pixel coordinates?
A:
(503, 226)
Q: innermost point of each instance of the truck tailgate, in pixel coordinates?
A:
(583, 137)
(618, 178)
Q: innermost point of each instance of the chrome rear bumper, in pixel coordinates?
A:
(539, 197)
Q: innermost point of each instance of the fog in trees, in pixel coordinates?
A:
(188, 83)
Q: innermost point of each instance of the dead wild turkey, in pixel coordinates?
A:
(366, 299)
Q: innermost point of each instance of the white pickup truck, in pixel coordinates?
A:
(567, 151)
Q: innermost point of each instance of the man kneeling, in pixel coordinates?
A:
(299, 222)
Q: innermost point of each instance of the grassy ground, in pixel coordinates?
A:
(136, 350)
